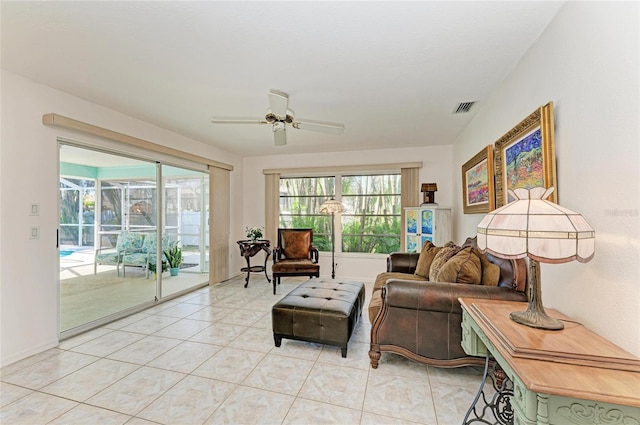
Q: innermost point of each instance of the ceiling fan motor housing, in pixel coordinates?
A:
(279, 116)
(271, 118)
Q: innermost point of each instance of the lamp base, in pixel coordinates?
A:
(536, 319)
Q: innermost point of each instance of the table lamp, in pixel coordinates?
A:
(332, 207)
(545, 232)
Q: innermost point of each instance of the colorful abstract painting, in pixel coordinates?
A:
(524, 162)
(478, 194)
(478, 184)
(525, 156)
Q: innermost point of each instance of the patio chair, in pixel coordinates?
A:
(147, 255)
(126, 243)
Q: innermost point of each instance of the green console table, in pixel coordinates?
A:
(572, 376)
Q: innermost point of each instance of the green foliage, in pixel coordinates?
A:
(173, 255)
(381, 237)
(254, 233)
(371, 223)
(69, 202)
(152, 267)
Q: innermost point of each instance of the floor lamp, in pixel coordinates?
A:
(332, 207)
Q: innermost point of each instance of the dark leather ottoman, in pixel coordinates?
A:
(320, 310)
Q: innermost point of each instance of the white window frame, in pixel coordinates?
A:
(338, 216)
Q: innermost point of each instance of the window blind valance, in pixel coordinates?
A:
(72, 124)
(343, 169)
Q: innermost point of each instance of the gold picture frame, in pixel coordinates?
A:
(478, 190)
(525, 156)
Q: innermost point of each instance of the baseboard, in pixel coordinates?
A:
(28, 353)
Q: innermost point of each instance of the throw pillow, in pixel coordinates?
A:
(443, 255)
(425, 259)
(490, 271)
(463, 267)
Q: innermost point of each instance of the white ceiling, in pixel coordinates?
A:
(392, 72)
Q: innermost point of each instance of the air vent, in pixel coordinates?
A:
(464, 107)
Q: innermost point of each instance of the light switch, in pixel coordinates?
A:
(35, 232)
(35, 209)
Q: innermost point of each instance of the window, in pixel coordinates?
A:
(300, 201)
(77, 211)
(371, 223)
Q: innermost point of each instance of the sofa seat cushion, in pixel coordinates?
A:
(295, 266)
(376, 297)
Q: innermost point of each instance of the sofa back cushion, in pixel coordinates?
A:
(513, 273)
(445, 253)
(463, 267)
(490, 271)
(427, 255)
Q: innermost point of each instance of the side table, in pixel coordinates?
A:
(249, 248)
(571, 376)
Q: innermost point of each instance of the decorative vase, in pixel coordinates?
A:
(173, 271)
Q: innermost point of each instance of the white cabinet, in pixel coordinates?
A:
(426, 224)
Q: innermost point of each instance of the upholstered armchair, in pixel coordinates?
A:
(127, 243)
(294, 255)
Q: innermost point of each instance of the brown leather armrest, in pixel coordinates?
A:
(313, 254)
(402, 262)
(440, 296)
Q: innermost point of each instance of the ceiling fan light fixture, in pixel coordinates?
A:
(280, 116)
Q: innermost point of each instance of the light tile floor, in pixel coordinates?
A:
(208, 357)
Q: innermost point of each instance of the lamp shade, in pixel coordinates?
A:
(332, 206)
(536, 228)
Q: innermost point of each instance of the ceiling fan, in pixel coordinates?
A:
(280, 116)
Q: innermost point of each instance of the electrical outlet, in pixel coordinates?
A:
(35, 209)
(35, 232)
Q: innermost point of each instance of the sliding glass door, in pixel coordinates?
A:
(122, 220)
(186, 226)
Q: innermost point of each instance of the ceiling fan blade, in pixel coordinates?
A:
(280, 137)
(323, 127)
(278, 102)
(238, 121)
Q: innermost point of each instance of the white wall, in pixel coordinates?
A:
(586, 62)
(436, 167)
(29, 174)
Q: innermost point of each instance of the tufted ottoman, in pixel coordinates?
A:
(319, 310)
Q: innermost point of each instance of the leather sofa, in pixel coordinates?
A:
(421, 319)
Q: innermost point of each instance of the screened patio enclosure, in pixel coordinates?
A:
(104, 196)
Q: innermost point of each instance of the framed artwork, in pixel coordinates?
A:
(478, 195)
(525, 156)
